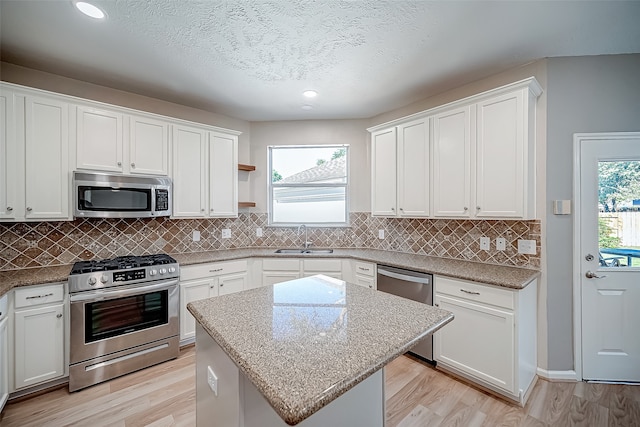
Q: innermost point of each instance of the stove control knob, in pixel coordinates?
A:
(92, 280)
(163, 271)
(153, 272)
(104, 278)
(172, 269)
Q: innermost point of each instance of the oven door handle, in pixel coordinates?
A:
(125, 291)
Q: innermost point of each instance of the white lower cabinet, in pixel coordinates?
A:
(328, 267)
(206, 281)
(39, 334)
(4, 352)
(279, 270)
(364, 274)
(492, 339)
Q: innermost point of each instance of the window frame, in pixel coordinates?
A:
(271, 186)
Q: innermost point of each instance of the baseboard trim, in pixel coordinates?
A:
(557, 375)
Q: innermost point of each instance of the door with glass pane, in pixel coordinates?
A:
(609, 228)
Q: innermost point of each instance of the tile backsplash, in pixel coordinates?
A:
(54, 243)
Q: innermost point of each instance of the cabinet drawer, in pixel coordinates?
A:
(478, 292)
(322, 265)
(200, 271)
(365, 268)
(36, 295)
(3, 308)
(270, 264)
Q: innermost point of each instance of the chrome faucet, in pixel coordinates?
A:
(307, 243)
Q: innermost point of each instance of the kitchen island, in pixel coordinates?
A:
(309, 351)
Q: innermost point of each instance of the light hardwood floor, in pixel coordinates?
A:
(417, 395)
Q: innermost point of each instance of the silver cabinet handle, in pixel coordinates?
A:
(59, 315)
(592, 275)
(133, 165)
(9, 208)
(29, 209)
(478, 207)
(39, 296)
(393, 209)
(466, 208)
(363, 269)
(216, 270)
(221, 284)
(469, 292)
(119, 163)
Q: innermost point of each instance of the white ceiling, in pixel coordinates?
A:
(253, 59)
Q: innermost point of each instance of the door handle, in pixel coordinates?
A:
(592, 275)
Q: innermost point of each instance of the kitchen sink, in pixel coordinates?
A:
(304, 251)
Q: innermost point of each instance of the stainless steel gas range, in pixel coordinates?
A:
(124, 316)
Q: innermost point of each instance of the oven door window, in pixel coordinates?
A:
(114, 199)
(110, 318)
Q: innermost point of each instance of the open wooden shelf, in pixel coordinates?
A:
(246, 204)
(243, 167)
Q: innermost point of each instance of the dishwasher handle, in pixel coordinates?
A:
(405, 277)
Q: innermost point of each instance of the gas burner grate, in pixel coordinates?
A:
(121, 263)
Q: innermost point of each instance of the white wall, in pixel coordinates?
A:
(313, 132)
(585, 94)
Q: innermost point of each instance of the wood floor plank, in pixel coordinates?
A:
(417, 395)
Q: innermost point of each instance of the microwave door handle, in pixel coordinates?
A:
(100, 295)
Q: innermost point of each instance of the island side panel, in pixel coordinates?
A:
(222, 410)
(363, 405)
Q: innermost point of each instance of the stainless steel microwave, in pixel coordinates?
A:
(101, 195)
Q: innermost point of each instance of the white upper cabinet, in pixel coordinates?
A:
(223, 175)
(99, 139)
(483, 158)
(148, 146)
(189, 172)
(8, 156)
(400, 170)
(114, 141)
(205, 173)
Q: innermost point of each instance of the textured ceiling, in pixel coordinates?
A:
(253, 59)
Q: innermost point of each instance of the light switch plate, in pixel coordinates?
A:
(226, 233)
(485, 242)
(527, 247)
(381, 234)
(195, 236)
(501, 243)
(259, 232)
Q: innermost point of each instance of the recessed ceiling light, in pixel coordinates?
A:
(90, 10)
(307, 107)
(310, 93)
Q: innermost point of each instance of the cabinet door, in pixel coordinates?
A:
(273, 277)
(39, 345)
(452, 163)
(193, 290)
(479, 342)
(500, 157)
(47, 173)
(366, 281)
(232, 283)
(148, 146)
(9, 174)
(189, 172)
(383, 173)
(99, 139)
(413, 169)
(223, 175)
(4, 362)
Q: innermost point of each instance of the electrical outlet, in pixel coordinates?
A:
(380, 234)
(527, 247)
(259, 232)
(501, 244)
(485, 242)
(212, 380)
(226, 233)
(195, 236)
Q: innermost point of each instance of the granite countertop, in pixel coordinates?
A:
(509, 277)
(305, 342)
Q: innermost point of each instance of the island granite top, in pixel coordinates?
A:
(305, 342)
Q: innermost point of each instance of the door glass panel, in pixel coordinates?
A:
(619, 213)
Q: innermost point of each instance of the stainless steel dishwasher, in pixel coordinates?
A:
(415, 286)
